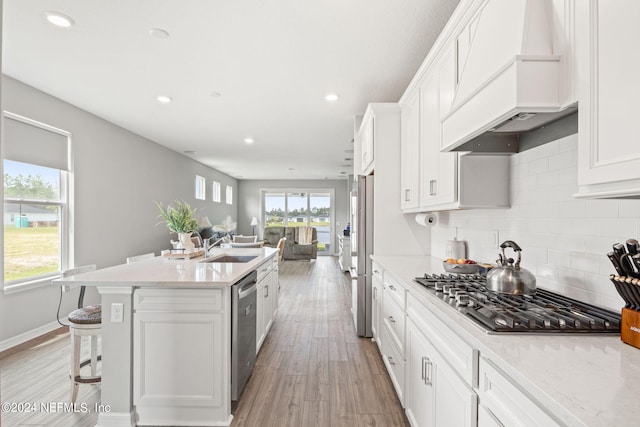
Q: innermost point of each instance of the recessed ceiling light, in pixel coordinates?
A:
(215, 94)
(159, 33)
(164, 99)
(189, 152)
(248, 140)
(331, 97)
(59, 20)
(290, 169)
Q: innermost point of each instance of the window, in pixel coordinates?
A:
(216, 192)
(200, 187)
(294, 208)
(36, 202)
(229, 195)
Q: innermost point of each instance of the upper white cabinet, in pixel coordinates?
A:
(366, 142)
(445, 181)
(410, 153)
(608, 150)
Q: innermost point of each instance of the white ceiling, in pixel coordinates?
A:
(272, 61)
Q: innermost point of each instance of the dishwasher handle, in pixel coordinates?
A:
(247, 289)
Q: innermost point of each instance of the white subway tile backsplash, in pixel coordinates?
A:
(564, 240)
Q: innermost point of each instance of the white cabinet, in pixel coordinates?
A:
(367, 142)
(608, 150)
(392, 325)
(376, 303)
(440, 374)
(187, 325)
(438, 172)
(435, 395)
(504, 402)
(410, 153)
(446, 180)
(266, 300)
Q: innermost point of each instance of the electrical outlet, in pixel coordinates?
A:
(495, 239)
(117, 312)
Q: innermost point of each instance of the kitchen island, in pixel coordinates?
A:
(166, 328)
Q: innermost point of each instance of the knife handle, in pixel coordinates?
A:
(616, 263)
(632, 246)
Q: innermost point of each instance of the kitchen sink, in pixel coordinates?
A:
(231, 258)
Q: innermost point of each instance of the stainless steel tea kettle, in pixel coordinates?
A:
(508, 277)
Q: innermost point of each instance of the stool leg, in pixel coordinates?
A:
(75, 364)
(94, 354)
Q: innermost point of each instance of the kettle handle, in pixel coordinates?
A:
(513, 245)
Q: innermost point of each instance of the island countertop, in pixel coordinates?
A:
(167, 272)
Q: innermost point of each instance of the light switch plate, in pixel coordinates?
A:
(117, 310)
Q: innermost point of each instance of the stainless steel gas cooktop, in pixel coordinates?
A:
(544, 312)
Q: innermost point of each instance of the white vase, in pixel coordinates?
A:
(186, 243)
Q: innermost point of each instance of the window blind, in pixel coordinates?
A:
(28, 143)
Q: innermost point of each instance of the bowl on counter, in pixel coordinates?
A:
(460, 268)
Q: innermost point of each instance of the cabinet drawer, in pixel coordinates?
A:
(461, 356)
(506, 400)
(394, 362)
(394, 290)
(394, 318)
(178, 300)
(264, 269)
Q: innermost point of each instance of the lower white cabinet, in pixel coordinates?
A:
(376, 303)
(504, 403)
(434, 394)
(266, 300)
(189, 329)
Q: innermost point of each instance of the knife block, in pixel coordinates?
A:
(630, 327)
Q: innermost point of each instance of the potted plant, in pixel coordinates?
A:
(180, 218)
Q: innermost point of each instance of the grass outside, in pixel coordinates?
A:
(30, 251)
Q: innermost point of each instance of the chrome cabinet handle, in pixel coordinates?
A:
(266, 288)
(427, 366)
(391, 362)
(393, 288)
(391, 319)
(433, 187)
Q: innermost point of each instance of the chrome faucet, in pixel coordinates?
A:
(207, 247)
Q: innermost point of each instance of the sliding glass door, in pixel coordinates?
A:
(294, 208)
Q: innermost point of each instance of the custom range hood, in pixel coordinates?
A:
(507, 80)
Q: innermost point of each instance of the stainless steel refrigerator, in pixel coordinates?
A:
(361, 292)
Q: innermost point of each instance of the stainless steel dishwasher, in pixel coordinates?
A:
(243, 332)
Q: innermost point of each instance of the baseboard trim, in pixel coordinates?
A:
(24, 337)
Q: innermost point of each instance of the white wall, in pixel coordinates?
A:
(250, 202)
(564, 240)
(118, 176)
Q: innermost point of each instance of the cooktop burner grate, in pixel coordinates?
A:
(544, 312)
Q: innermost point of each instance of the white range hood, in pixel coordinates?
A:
(508, 78)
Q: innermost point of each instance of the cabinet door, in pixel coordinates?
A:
(419, 384)
(438, 176)
(410, 153)
(164, 337)
(367, 135)
(455, 403)
(267, 302)
(608, 153)
(260, 309)
(376, 308)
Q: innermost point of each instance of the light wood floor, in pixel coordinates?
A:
(311, 371)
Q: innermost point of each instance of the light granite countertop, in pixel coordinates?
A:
(586, 380)
(169, 272)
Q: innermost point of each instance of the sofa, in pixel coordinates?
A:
(293, 249)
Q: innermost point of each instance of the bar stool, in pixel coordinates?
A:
(85, 321)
